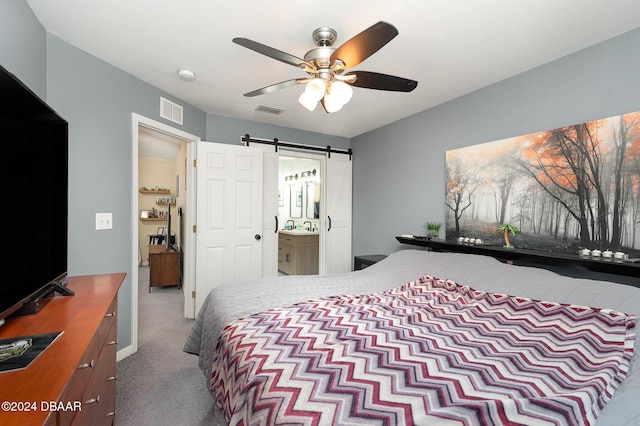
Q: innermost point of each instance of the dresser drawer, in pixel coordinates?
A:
(98, 399)
(79, 379)
(83, 371)
(110, 318)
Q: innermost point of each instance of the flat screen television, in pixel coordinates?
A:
(35, 147)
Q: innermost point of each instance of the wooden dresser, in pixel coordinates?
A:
(73, 380)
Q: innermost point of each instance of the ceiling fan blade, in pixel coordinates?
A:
(270, 52)
(365, 44)
(374, 80)
(277, 86)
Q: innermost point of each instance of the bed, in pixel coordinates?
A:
(422, 338)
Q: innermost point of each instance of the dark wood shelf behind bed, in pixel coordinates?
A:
(534, 257)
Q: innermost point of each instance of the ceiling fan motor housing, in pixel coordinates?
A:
(320, 56)
(324, 36)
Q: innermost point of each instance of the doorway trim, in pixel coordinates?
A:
(138, 121)
(322, 159)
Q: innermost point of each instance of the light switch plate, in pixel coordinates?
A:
(104, 221)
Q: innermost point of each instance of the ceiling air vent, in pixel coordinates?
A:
(170, 110)
(269, 110)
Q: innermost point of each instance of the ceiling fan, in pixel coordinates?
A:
(325, 65)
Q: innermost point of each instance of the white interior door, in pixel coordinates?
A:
(228, 216)
(270, 223)
(337, 226)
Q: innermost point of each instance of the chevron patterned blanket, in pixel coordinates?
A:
(432, 352)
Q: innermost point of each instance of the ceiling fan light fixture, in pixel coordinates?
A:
(308, 101)
(316, 88)
(337, 96)
(342, 91)
(332, 103)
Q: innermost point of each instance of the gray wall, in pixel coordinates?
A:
(23, 45)
(230, 130)
(398, 178)
(97, 100)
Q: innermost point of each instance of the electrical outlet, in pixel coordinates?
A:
(104, 221)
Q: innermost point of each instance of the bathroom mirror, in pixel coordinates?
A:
(295, 202)
(312, 201)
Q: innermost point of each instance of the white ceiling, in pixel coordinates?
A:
(451, 47)
(152, 143)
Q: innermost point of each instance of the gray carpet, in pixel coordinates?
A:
(160, 384)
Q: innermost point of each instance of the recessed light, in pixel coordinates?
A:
(186, 75)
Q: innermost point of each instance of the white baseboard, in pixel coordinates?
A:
(124, 352)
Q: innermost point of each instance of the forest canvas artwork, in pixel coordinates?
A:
(564, 189)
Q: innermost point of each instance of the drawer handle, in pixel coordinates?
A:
(112, 378)
(93, 400)
(87, 365)
(113, 342)
(110, 314)
(111, 414)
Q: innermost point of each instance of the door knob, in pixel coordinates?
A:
(257, 237)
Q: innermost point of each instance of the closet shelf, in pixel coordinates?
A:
(151, 191)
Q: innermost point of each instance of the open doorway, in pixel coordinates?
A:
(151, 136)
(161, 169)
(299, 203)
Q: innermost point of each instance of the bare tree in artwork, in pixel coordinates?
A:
(567, 160)
(627, 132)
(460, 188)
(502, 189)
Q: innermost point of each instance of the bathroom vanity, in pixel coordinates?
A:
(298, 252)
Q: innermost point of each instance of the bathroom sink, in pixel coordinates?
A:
(298, 232)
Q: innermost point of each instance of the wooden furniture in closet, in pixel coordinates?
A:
(164, 266)
(74, 380)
